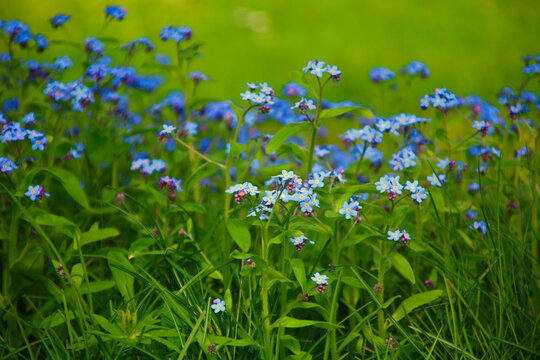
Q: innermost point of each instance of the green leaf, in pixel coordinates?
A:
(113, 329)
(403, 267)
(96, 286)
(77, 274)
(71, 185)
(415, 301)
(289, 322)
(228, 300)
(120, 266)
(30, 262)
(299, 272)
(239, 232)
(335, 112)
(290, 342)
(237, 149)
(284, 133)
(97, 235)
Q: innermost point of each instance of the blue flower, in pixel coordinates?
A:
(416, 67)
(93, 45)
(522, 152)
(473, 187)
(333, 71)
(167, 130)
(62, 63)
(293, 89)
(380, 74)
(59, 20)
(300, 240)
(6, 165)
(436, 180)
(412, 186)
(115, 11)
(197, 76)
(191, 128)
(349, 209)
(29, 119)
(382, 185)
(318, 69)
(269, 197)
(38, 143)
(319, 279)
(316, 181)
(394, 235)
(218, 305)
(36, 192)
(443, 163)
(420, 195)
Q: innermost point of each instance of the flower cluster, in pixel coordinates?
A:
(304, 105)
(416, 68)
(147, 166)
(380, 74)
(441, 99)
(36, 192)
(15, 132)
(19, 33)
(292, 89)
(318, 68)
(300, 241)
(480, 226)
(390, 185)
(399, 235)
(75, 153)
(532, 65)
(367, 134)
(172, 184)
(115, 12)
(176, 33)
(75, 92)
(142, 42)
(264, 99)
(394, 123)
(321, 281)
(404, 159)
(59, 20)
(6, 165)
(240, 191)
(287, 187)
(437, 180)
(350, 209)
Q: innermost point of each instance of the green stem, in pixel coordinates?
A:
(229, 161)
(316, 125)
(380, 313)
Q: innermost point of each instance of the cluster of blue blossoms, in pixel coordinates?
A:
(263, 99)
(399, 235)
(286, 187)
(441, 99)
(14, 131)
(147, 166)
(319, 68)
(390, 185)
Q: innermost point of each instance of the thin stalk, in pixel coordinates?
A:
(228, 162)
(316, 125)
(380, 313)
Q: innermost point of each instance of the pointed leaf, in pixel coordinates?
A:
(284, 133)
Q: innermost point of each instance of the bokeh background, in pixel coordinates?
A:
(470, 46)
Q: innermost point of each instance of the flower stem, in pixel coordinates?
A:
(380, 314)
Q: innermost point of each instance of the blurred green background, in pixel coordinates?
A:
(470, 46)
